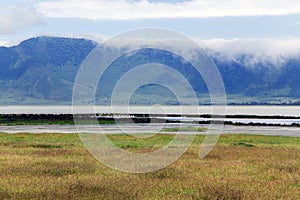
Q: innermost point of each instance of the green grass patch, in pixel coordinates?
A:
(244, 144)
(138, 143)
(261, 141)
(184, 129)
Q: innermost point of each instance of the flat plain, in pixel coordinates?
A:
(57, 166)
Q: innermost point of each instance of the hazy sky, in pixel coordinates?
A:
(200, 19)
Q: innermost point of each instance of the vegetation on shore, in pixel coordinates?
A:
(57, 166)
(67, 119)
(47, 119)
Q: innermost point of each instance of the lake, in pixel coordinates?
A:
(187, 110)
(163, 110)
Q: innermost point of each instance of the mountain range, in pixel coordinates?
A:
(42, 70)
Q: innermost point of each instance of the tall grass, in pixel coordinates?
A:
(57, 166)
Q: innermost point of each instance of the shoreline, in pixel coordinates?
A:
(132, 129)
(92, 119)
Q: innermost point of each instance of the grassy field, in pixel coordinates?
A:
(57, 166)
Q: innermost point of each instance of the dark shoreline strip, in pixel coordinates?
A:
(52, 119)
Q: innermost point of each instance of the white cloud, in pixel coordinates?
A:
(141, 9)
(5, 43)
(98, 38)
(271, 50)
(267, 51)
(94, 37)
(14, 19)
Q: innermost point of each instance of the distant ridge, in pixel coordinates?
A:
(42, 70)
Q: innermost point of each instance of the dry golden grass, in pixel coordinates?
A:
(57, 166)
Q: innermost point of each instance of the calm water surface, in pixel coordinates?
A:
(188, 110)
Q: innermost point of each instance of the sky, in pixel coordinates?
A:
(222, 23)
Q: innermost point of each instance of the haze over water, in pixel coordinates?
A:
(187, 110)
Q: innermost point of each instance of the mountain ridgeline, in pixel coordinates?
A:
(42, 70)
